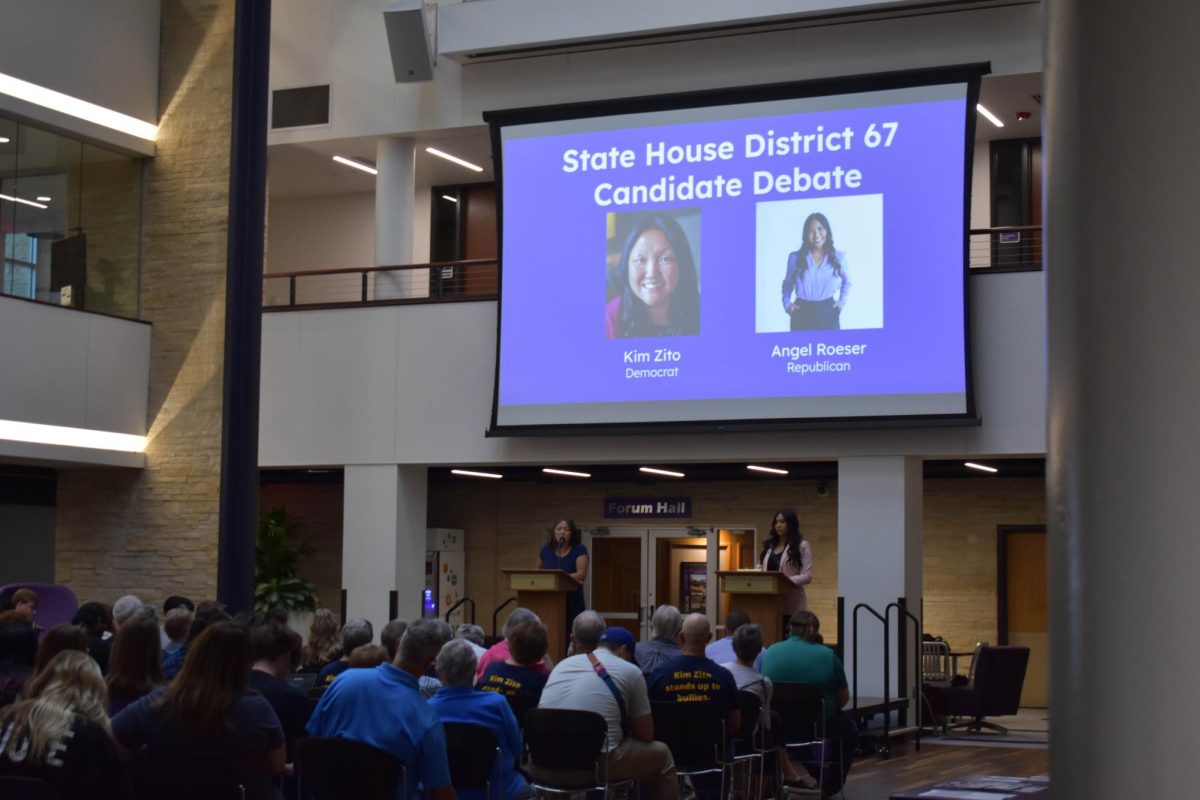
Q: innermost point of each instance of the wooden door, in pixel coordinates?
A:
(617, 580)
(1022, 591)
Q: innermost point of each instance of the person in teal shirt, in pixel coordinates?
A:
(801, 658)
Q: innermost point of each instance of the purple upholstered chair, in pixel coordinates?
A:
(56, 603)
(994, 691)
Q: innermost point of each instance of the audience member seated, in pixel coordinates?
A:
(473, 634)
(597, 679)
(209, 612)
(276, 651)
(124, 608)
(383, 707)
(499, 651)
(691, 677)
(517, 677)
(95, 620)
(390, 636)
(24, 607)
(56, 640)
(176, 626)
(324, 645)
(60, 733)
(207, 726)
(621, 642)
(18, 647)
(170, 604)
(368, 656)
(355, 633)
(721, 651)
(276, 616)
(664, 644)
(748, 649)
(457, 701)
(135, 668)
(800, 658)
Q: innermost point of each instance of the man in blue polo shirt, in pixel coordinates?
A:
(382, 707)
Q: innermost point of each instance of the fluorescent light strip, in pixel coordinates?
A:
(666, 472)
(772, 470)
(992, 118)
(4, 140)
(35, 433)
(471, 474)
(566, 472)
(44, 199)
(451, 199)
(74, 107)
(455, 159)
(980, 467)
(22, 201)
(349, 162)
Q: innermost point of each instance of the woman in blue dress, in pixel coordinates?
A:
(565, 551)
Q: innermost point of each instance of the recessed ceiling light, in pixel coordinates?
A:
(44, 198)
(4, 140)
(567, 472)
(473, 474)
(74, 107)
(992, 118)
(666, 472)
(772, 470)
(979, 467)
(451, 199)
(455, 159)
(350, 162)
(22, 201)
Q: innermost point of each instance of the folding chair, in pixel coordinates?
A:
(471, 769)
(331, 767)
(566, 750)
(803, 712)
(695, 733)
(14, 788)
(747, 745)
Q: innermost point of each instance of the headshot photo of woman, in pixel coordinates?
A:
(815, 285)
(659, 287)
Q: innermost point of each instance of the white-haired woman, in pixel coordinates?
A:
(60, 734)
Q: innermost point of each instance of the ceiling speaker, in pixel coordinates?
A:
(409, 41)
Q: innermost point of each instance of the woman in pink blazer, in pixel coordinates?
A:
(786, 551)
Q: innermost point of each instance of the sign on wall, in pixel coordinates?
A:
(647, 507)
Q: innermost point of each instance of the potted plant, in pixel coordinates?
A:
(277, 555)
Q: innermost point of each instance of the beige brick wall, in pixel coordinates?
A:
(154, 532)
(507, 524)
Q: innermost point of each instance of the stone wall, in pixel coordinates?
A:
(154, 532)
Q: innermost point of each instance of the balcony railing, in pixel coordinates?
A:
(1008, 249)
(443, 282)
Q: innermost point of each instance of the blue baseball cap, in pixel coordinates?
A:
(618, 637)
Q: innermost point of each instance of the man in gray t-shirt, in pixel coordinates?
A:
(576, 684)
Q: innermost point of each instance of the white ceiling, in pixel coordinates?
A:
(306, 170)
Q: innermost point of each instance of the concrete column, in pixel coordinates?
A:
(1121, 210)
(383, 540)
(395, 198)
(879, 558)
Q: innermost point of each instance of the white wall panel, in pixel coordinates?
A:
(413, 385)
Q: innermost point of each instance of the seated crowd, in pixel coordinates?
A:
(128, 703)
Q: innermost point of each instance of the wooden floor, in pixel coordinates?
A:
(874, 778)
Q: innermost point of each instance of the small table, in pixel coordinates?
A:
(981, 787)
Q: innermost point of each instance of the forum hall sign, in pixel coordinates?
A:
(647, 507)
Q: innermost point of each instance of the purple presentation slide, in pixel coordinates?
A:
(762, 262)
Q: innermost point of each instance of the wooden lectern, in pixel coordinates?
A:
(544, 592)
(760, 595)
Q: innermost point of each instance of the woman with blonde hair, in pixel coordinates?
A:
(324, 641)
(60, 733)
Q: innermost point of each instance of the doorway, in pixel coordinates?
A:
(636, 569)
(1021, 596)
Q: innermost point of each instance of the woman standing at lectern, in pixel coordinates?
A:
(787, 551)
(565, 551)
